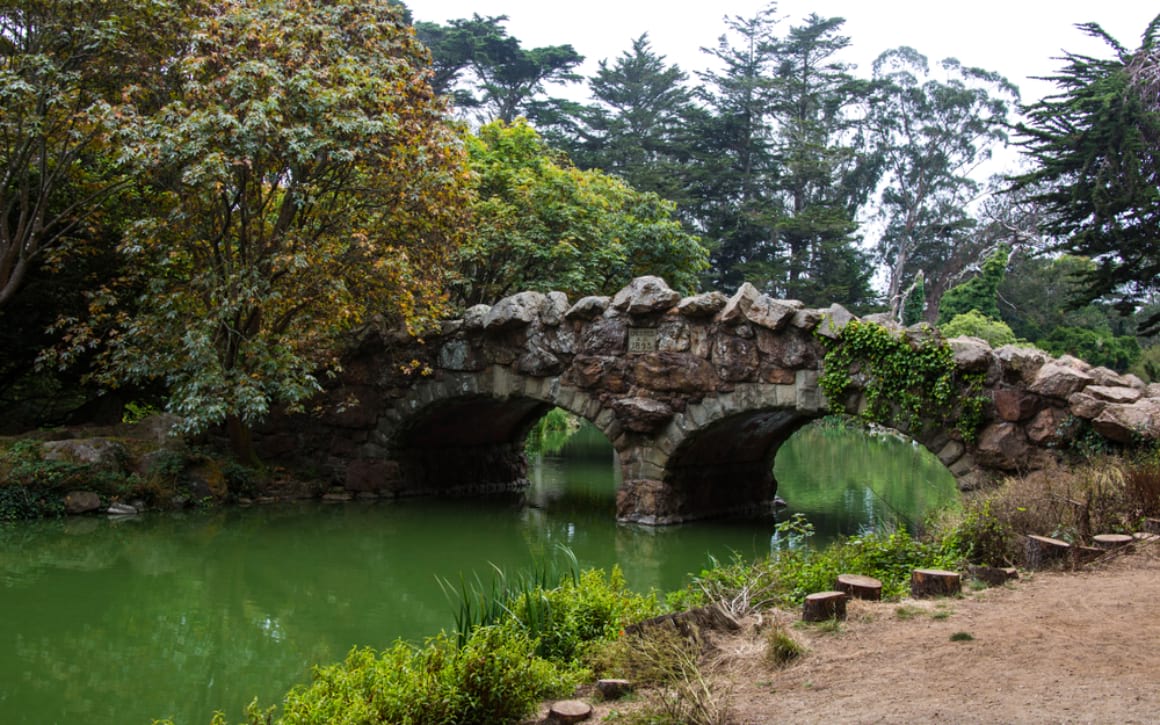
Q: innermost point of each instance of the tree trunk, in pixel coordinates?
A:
(242, 442)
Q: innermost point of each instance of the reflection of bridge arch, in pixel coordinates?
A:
(695, 395)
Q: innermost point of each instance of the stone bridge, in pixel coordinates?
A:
(695, 395)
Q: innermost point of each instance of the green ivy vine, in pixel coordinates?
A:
(905, 382)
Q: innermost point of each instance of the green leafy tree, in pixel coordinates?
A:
(979, 293)
(542, 224)
(1097, 172)
(305, 181)
(931, 134)
(64, 67)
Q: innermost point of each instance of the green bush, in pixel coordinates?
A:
(595, 607)
(976, 324)
(494, 678)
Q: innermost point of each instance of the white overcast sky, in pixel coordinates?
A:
(1018, 38)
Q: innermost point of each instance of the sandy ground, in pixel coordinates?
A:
(1054, 647)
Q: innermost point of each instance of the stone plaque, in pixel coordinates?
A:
(642, 339)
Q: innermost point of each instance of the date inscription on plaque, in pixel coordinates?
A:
(642, 339)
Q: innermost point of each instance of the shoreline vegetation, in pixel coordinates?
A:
(549, 632)
(524, 637)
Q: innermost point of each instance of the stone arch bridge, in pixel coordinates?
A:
(696, 394)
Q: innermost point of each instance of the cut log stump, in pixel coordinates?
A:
(1042, 551)
(1085, 554)
(613, 689)
(570, 711)
(821, 606)
(993, 576)
(857, 586)
(1109, 542)
(935, 583)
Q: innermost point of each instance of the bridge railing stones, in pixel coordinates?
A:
(694, 393)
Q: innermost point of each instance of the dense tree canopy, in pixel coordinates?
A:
(1097, 167)
(64, 65)
(542, 224)
(303, 180)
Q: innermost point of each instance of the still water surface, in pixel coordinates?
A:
(178, 615)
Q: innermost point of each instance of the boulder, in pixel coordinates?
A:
(735, 358)
(518, 310)
(555, 309)
(1104, 376)
(834, 320)
(1003, 446)
(81, 502)
(587, 308)
(644, 295)
(474, 316)
(1020, 363)
(1045, 428)
(1085, 405)
(735, 309)
(674, 372)
(1127, 423)
(1012, 404)
(604, 336)
(770, 313)
(1114, 394)
(971, 353)
(1056, 379)
(100, 453)
(702, 305)
(807, 319)
(642, 415)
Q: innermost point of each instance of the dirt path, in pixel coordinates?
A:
(1074, 647)
(1053, 648)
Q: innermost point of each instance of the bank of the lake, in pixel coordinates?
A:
(179, 614)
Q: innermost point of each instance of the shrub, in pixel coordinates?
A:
(976, 324)
(494, 677)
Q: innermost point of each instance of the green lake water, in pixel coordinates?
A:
(176, 615)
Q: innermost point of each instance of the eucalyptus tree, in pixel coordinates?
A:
(1095, 145)
(931, 135)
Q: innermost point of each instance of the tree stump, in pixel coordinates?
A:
(935, 583)
(993, 576)
(1084, 554)
(613, 689)
(821, 606)
(1109, 542)
(1041, 551)
(857, 586)
(570, 711)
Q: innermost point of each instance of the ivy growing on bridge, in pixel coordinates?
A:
(905, 382)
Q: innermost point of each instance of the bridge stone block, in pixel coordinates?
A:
(809, 396)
